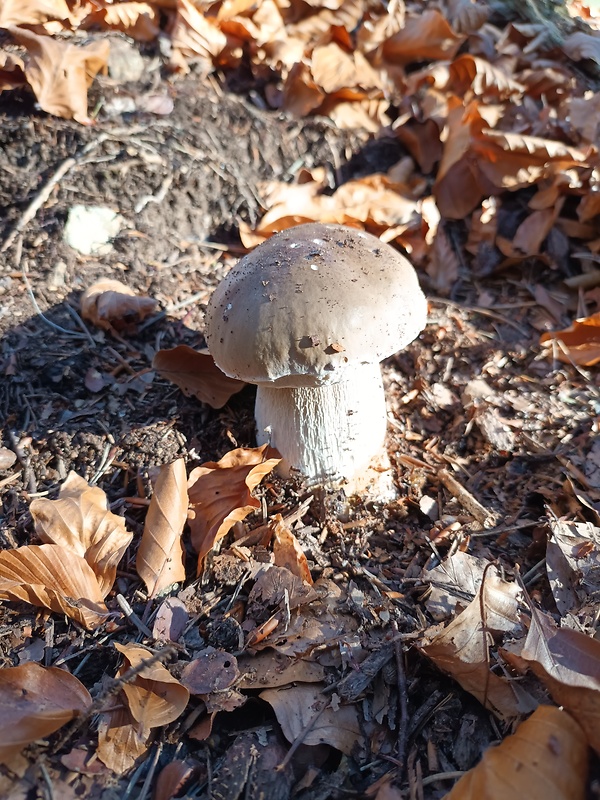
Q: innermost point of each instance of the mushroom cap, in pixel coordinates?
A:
(310, 303)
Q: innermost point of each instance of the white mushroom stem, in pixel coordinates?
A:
(328, 433)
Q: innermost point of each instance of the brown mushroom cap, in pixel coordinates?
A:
(310, 303)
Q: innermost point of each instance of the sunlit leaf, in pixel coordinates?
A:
(80, 521)
(220, 492)
(53, 577)
(581, 341)
(546, 759)
(159, 559)
(35, 701)
(109, 303)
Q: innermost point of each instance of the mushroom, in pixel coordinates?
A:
(307, 316)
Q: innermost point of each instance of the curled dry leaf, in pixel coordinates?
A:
(53, 577)
(80, 521)
(121, 741)
(173, 778)
(578, 344)
(423, 38)
(141, 21)
(32, 12)
(111, 304)
(196, 374)
(546, 759)
(461, 649)
(568, 662)
(296, 708)
(195, 39)
(269, 670)
(159, 560)
(220, 492)
(11, 71)
(287, 551)
(155, 698)
(35, 701)
(61, 73)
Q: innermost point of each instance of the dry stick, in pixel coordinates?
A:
(46, 190)
(466, 499)
(403, 703)
(133, 617)
(114, 686)
(300, 738)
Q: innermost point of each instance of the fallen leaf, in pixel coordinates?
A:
(154, 697)
(139, 20)
(211, 671)
(171, 620)
(53, 577)
(32, 12)
(456, 578)
(81, 522)
(173, 778)
(288, 552)
(195, 39)
(296, 708)
(220, 493)
(545, 759)
(60, 73)
(269, 670)
(12, 72)
(109, 303)
(35, 701)
(462, 648)
(568, 662)
(196, 374)
(423, 38)
(159, 560)
(581, 342)
(573, 563)
(121, 741)
(581, 45)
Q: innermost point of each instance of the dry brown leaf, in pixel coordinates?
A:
(220, 493)
(60, 73)
(581, 342)
(139, 20)
(195, 39)
(296, 708)
(12, 72)
(467, 16)
(32, 12)
(483, 227)
(159, 560)
(287, 551)
(582, 45)
(172, 779)
(268, 670)
(462, 648)
(121, 741)
(155, 698)
(211, 671)
(301, 95)
(443, 264)
(196, 374)
(111, 304)
(546, 759)
(423, 38)
(568, 662)
(80, 521)
(35, 701)
(573, 563)
(53, 577)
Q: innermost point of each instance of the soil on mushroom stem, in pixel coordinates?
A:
(70, 403)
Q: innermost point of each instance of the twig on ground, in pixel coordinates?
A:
(46, 190)
(40, 313)
(402, 739)
(133, 617)
(466, 499)
(300, 738)
(81, 324)
(150, 775)
(154, 198)
(28, 473)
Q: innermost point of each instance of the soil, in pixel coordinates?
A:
(474, 392)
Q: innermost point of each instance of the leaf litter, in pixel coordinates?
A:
(294, 617)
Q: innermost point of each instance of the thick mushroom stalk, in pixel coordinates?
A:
(327, 433)
(307, 316)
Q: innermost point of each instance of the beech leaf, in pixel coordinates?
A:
(80, 521)
(60, 73)
(581, 341)
(53, 577)
(545, 759)
(109, 304)
(35, 701)
(220, 493)
(121, 740)
(159, 559)
(196, 374)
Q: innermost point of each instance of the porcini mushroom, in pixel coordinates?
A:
(307, 316)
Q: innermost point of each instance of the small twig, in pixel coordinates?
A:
(466, 499)
(81, 324)
(154, 198)
(47, 781)
(300, 739)
(402, 739)
(46, 190)
(441, 776)
(28, 473)
(152, 769)
(39, 312)
(133, 617)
